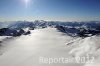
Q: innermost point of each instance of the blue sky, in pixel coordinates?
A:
(53, 10)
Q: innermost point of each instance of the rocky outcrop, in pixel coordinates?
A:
(13, 32)
(81, 32)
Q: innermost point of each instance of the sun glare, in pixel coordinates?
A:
(27, 2)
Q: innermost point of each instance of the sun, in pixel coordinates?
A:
(26, 2)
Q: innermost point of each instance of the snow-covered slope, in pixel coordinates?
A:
(27, 50)
(88, 46)
(4, 37)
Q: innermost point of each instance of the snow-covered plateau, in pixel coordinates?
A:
(51, 45)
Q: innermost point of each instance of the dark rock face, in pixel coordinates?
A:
(26, 33)
(81, 32)
(31, 28)
(12, 32)
(86, 33)
(61, 28)
(2, 31)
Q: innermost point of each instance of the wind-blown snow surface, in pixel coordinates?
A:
(48, 42)
(87, 46)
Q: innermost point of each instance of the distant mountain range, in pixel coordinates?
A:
(41, 23)
(70, 28)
